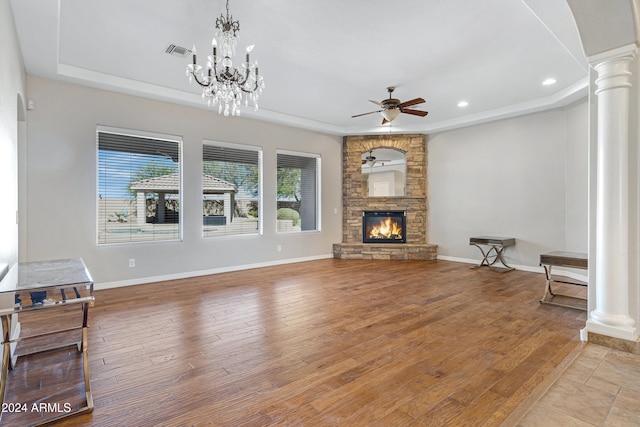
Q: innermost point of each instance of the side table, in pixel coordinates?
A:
(493, 254)
(569, 260)
(44, 286)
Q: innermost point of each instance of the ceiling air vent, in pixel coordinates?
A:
(178, 51)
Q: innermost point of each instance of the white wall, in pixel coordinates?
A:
(577, 179)
(524, 177)
(61, 156)
(12, 101)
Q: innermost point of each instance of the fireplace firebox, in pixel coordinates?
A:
(384, 227)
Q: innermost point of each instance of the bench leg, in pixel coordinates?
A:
(547, 288)
(491, 256)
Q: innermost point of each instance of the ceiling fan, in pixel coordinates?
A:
(390, 108)
(372, 160)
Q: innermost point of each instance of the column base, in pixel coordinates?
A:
(632, 347)
(625, 332)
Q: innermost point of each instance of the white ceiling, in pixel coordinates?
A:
(323, 60)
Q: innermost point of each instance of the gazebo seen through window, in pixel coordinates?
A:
(139, 187)
(231, 182)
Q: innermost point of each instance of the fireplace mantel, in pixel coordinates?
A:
(414, 202)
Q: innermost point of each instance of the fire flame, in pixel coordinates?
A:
(386, 230)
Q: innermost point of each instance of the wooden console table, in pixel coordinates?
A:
(40, 286)
(569, 260)
(494, 252)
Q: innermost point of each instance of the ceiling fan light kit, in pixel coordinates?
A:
(390, 115)
(222, 84)
(392, 107)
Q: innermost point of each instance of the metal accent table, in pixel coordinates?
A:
(47, 285)
(494, 253)
(569, 260)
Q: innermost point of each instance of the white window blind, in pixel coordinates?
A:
(298, 191)
(231, 187)
(139, 187)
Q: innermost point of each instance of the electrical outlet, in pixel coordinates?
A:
(132, 262)
(279, 248)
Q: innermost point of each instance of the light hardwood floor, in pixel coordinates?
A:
(321, 343)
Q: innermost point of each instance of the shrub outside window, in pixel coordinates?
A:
(298, 189)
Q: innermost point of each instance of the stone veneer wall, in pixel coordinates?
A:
(414, 202)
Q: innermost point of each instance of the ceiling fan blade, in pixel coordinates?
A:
(364, 114)
(379, 104)
(414, 112)
(410, 103)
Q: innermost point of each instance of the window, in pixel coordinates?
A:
(298, 190)
(139, 187)
(231, 189)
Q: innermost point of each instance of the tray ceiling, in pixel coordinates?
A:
(323, 61)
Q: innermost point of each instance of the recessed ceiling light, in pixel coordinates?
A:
(463, 104)
(549, 81)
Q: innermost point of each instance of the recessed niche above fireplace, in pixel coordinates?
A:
(384, 227)
(383, 172)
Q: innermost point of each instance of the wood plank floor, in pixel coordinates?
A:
(321, 343)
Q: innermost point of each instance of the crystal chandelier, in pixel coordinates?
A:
(223, 85)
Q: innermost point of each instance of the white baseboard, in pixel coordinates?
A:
(188, 274)
(529, 268)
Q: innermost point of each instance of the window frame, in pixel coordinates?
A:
(317, 188)
(180, 164)
(260, 198)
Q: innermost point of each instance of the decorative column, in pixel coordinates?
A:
(611, 315)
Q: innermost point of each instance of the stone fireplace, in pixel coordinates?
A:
(413, 204)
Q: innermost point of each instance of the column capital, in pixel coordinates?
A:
(613, 68)
(628, 51)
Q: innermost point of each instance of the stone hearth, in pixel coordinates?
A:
(414, 202)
